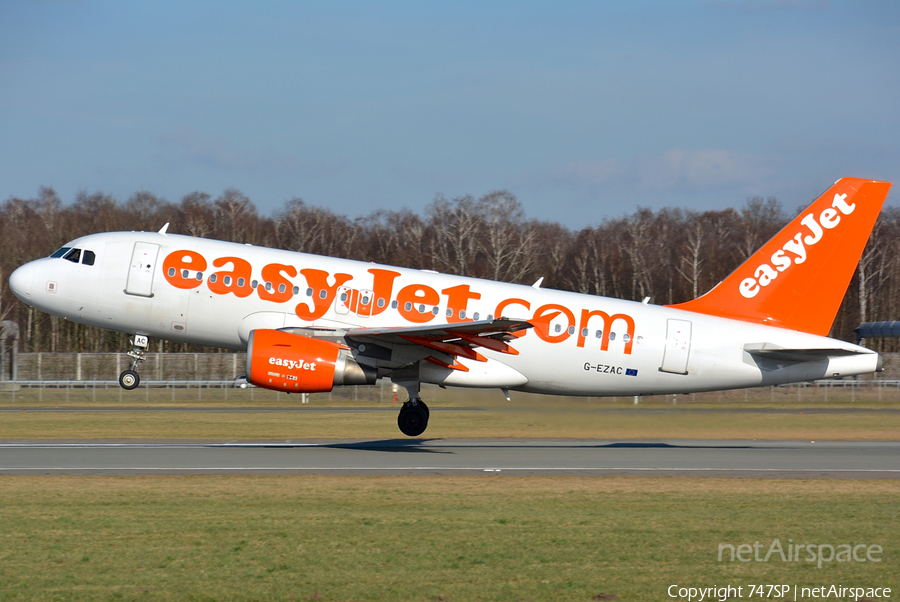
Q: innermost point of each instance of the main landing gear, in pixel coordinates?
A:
(413, 418)
(130, 379)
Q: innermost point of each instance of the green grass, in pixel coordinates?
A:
(585, 421)
(431, 538)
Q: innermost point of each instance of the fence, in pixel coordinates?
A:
(39, 366)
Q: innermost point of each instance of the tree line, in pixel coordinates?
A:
(670, 255)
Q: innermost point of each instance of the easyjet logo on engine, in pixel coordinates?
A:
(415, 303)
(796, 250)
(292, 364)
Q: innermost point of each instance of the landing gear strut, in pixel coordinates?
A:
(413, 418)
(130, 379)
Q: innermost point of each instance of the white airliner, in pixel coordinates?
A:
(310, 323)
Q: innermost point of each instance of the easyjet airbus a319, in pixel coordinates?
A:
(311, 323)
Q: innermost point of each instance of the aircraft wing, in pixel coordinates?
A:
(443, 344)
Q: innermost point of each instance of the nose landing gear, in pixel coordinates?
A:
(130, 379)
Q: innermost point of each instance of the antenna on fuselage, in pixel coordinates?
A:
(164, 228)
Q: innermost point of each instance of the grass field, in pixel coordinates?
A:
(458, 413)
(432, 538)
(429, 539)
(800, 424)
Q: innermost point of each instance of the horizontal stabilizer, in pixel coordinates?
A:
(769, 351)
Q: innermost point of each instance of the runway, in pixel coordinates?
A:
(707, 458)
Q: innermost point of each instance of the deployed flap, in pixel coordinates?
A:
(449, 341)
(499, 329)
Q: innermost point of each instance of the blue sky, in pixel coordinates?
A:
(583, 110)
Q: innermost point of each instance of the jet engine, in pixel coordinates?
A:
(296, 364)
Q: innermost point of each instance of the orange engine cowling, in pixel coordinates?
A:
(296, 364)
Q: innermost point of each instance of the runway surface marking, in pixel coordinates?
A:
(836, 459)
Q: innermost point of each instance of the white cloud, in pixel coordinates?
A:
(683, 168)
(676, 168)
(210, 151)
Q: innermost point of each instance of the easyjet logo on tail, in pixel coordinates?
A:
(796, 249)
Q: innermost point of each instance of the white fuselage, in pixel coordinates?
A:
(581, 344)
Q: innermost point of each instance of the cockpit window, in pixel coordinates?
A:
(88, 257)
(73, 255)
(61, 252)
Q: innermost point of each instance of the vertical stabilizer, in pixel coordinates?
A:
(798, 279)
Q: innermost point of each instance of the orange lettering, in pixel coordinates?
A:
(382, 288)
(544, 315)
(458, 298)
(607, 326)
(415, 295)
(506, 303)
(178, 265)
(318, 281)
(240, 269)
(282, 288)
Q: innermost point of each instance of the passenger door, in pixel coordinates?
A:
(140, 272)
(678, 347)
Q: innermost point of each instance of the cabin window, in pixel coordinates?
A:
(241, 282)
(323, 293)
(282, 288)
(199, 275)
(462, 314)
(365, 300)
(584, 332)
(599, 334)
(557, 328)
(61, 252)
(626, 337)
(490, 317)
(449, 312)
(612, 336)
(309, 292)
(435, 310)
(296, 290)
(343, 296)
(88, 258)
(213, 278)
(269, 286)
(73, 255)
(172, 272)
(226, 280)
(381, 302)
(184, 274)
(571, 330)
(475, 316)
(254, 283)
(421, 308)
(408, 306)
(394, 304)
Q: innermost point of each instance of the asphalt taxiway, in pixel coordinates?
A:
(711, 458)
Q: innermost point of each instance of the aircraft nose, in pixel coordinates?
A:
(20, 282)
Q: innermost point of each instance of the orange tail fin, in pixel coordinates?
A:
(797, 280)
